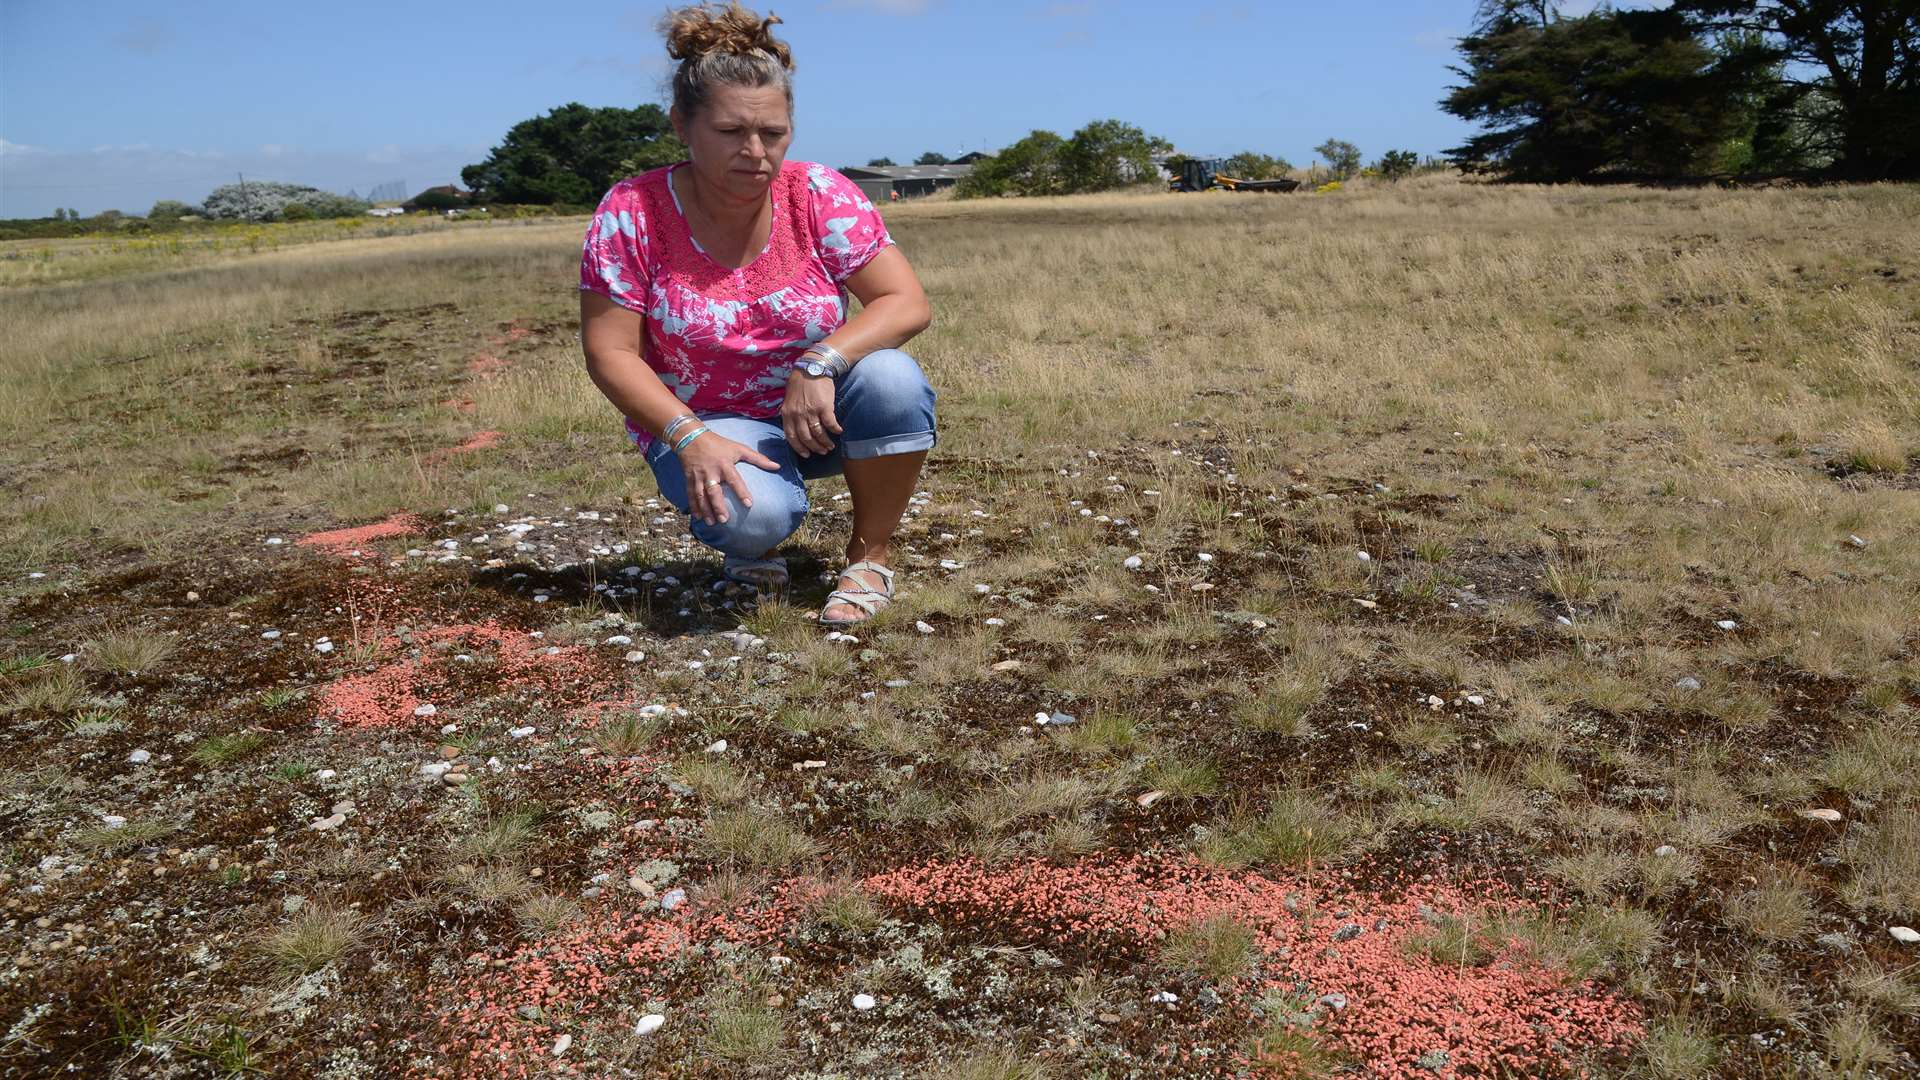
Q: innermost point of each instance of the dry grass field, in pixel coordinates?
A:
(1424, 631)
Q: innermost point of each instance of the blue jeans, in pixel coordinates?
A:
(884, 406)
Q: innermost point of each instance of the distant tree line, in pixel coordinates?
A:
(1699, 89)
(1103, 155)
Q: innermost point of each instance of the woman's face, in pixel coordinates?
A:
(738, 139)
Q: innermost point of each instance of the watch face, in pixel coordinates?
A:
(814, 367)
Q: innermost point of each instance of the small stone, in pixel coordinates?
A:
(673, 899)
(1665, 851)
(449, 752)
(323, 646)
(923, 626)
(325, 774)
(619, 639)
(1109, 1018)
(454, 779)
(271, 635)
(1368, 604)
(1060, 719)
(192, 596)
(327, 824)
(344, 806)
(1727, 624)
(1205, 557)
(424, 710)
(1822, 814)
(140, 757)
(636, 656)
(1150, 797)
(996, 622)
(1905, 935)
(1336, 1002)
(561, 1044)
(1133, 562)
(1364, 557)
(800, 766)
(1476, 700)
(1166, 997)
(649, 1024)
(520, 732)
(1687, 683)
(718, 746)
(863, 1002)
(438, 768)
(1007, 665)
(1856, 541)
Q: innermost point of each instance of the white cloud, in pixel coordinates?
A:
(19, 148)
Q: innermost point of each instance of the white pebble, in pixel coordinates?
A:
(719, 746)
(863, 1002)
(1664, 851)
(520, 732)
(323, 646)
(1205, 557)
(140, 757)
(1727, 624)
(1906, 935)
(1133, 562)
(619, 639)
(923, 627)
(424, 710)
(271, 635)
(649, 1024)
(500, 508)
(1364, 557)
(636, 656)
(274, 541)
(1166, 997)
(561, 1044)
(113, 821)
(325, 774)
(982, 590)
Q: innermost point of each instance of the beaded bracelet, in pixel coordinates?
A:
(689, 437)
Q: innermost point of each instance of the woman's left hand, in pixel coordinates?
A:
(807, 414)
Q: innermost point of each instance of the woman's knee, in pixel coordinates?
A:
(891, 378)
(887, 406)
(750, 532)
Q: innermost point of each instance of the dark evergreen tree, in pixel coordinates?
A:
(1629, 94)
(571, 155)
(1845, 77)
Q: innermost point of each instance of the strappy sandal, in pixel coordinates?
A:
(766, 574)
(867, 600)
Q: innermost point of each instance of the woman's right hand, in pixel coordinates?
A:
(710, 463)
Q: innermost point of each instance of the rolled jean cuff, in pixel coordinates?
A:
(911, 442)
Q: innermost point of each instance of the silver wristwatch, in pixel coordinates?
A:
(815, 367)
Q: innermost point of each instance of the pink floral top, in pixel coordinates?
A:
(722, 338)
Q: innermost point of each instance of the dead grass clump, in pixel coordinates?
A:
(625, 736)
(994, 809)
(105, 839)
(1107, 731)
(317, 936)
(1001, 1063)
(1679, 1050)
(1298, 827)
(1884, 856)
(134, 652)
(1219, 948)
(713, 778)
(1856, 1044)
(912, 804)
(57, 691)
(1070, 838)
(1481, 799)
(490, 884)
(1595, 874)
(1457, 940)
(743, 1030)
(501, 838)
(1778, 908)
(758, 838)
(221, 749)
(1183, 776)
(544, 912)
(1874, 447)
(1282, 707)
(840, 905)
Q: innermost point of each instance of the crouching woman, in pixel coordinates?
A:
(713, 315)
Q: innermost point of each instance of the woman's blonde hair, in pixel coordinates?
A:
(724, 46)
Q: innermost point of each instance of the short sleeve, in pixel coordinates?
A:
(847, 230)
(613, 259)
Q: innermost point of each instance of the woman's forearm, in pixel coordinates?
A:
(887, 323)
(634, 388)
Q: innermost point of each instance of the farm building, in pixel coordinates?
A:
(881, 183)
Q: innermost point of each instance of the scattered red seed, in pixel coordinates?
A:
(341, 542)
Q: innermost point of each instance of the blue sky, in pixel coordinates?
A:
(112, 104)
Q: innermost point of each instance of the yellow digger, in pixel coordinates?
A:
(1203, 174)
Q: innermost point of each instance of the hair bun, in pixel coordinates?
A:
(699, 29)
